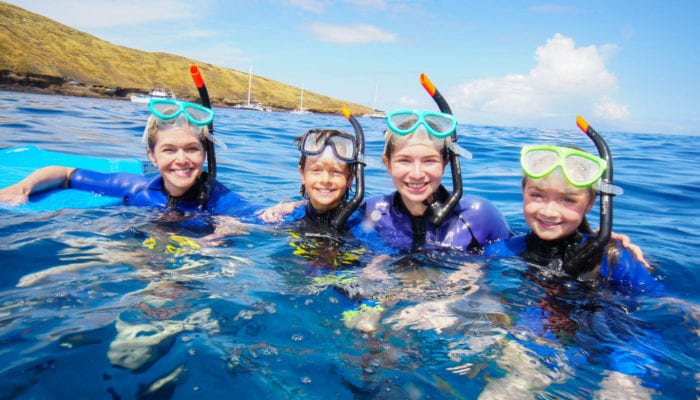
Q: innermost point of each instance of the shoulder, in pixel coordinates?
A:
(622, 267)
(486, 221)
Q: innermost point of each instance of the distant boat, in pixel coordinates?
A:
(301, 105)
(153, 94)
(375, 113)
(248, 105)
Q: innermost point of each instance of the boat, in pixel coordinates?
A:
(375, 113)
(301, 105)
(157, 93)
(248, 105)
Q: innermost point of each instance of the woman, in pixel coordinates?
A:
(176, 133)
(417, 150)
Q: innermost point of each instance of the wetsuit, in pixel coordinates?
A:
(472, 224)
(626, 271)
(559, 314)
(138, 190)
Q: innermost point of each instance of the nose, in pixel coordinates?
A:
(180, 155)
(550, 209)
(416, 170)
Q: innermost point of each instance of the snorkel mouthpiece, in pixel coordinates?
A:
(208, 143)
(581, 262)
(440, 211)
(343, 215)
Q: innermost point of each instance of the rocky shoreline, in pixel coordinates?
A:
(47, 84)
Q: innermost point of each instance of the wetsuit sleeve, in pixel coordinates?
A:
(223, 201)
(514, 246)
(630, 273)
(488, 224)
(107, 184)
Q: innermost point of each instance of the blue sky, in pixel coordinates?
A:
(623, 65)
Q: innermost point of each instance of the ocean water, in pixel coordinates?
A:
(89, 310)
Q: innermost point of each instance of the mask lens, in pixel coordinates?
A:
(402, 123)
(344, 147)
(537, 163)
(165, 110)
(440, 125)
(582, 171)
(199, 115)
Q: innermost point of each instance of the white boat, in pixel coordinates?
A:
(153, 94)
(375, 113)
(301, 105)
(248, 105)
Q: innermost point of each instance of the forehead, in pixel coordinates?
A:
(176, 135)
(556, 182)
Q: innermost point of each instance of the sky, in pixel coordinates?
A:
(624, 65)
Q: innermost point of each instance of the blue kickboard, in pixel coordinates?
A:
(18, 162)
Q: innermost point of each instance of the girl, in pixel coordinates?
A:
(176, 133)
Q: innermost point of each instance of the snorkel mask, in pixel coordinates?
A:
(346, 148)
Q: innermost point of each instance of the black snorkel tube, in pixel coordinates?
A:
(580, 263)
(440, 211)
(343, 215)
(208, 143)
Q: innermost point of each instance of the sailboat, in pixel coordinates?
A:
(375, 113)
(248, 105)
(301, 105)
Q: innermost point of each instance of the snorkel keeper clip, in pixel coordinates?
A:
(339, 220)
(440, 211)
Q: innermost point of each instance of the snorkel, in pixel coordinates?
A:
(208, 143)
(344, 213)
(581, 261)
(440, 211)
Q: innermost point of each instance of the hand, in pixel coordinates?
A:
(278, 212)
(13, 195)
(633, 248)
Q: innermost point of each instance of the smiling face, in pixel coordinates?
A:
(179, 156)
(554, 209)
(416, 166)
(325, 179)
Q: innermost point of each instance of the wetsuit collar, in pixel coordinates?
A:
(192, 194)
(418, 223)
(551, 253)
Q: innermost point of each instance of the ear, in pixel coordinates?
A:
(386, 162)
(301, 174)
(590, 205)
(151, 157)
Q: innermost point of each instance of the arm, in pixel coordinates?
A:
(42, 179)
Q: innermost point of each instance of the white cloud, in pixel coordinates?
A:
(315, 6)
(565, 80)
(408, 102)
(607, 108)
(351, 34)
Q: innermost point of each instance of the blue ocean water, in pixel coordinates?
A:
(87, 310)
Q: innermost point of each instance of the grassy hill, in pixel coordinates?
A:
(39, 53)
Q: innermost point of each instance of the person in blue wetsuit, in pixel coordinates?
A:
(572, 265)
(177, 134)
(421, 214)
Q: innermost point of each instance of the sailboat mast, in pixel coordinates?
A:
(250, 80)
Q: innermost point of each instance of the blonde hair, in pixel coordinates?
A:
(155, 125)
(390, 140)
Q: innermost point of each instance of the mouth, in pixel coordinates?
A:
(183, 173)
(547, 224)
(417, 188)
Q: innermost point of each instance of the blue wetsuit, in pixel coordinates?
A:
(625, 271)
(138, 190)
(472, 224)
(559, 314)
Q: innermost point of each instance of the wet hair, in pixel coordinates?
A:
(322, 135)
(390, 140)
(150, 132)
